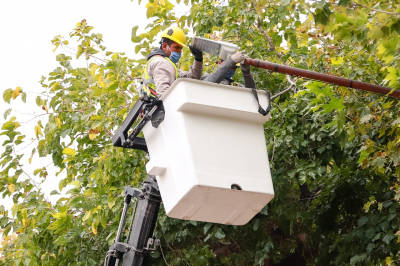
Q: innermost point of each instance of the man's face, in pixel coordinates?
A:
(175, 47)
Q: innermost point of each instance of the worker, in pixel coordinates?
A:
(161, 70)
(227, 69)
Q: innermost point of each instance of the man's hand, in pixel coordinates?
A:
(238, 57)
(198, 55)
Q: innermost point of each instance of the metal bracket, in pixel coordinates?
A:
(158, 115)
(133, 192)
(150, 242)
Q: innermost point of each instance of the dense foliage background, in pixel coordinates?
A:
(334, 151)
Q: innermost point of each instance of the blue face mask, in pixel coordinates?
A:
(174, 56)
(230, 74)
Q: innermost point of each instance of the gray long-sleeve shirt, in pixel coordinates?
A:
(163, 72)
(219, 75)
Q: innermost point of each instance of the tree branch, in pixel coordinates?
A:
(378, 10)
(272, 48)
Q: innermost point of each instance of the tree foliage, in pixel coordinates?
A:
(334, 151)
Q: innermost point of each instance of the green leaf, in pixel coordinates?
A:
(366, 118)
(207, 227)
(344, 3)
(363, 220)
(256, 224)
(6, 113)
(388, 238)
(7, 94)
(54, 192)
(73, 202)
(60, 240)
(376, 237)
(219, 233)
(134, 38)
(23, 96)
(370, 233)
(321, 16)
(363, 155)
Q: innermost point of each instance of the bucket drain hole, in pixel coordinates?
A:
(236, 187)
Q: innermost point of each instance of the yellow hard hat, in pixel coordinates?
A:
(175, 34)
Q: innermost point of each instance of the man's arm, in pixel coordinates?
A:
(248, 77)
(221, 71)
(195, 71)
(197, 68)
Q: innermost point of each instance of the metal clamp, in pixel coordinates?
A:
(150, 242)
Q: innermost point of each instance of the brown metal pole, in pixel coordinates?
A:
(322, 77)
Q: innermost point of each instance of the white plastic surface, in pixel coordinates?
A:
(227, 49)
(211, 138)
(220, 48)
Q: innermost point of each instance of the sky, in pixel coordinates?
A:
(26, 30)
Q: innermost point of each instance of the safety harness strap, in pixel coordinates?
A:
(260, 109)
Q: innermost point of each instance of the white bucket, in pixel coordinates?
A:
(211, 139)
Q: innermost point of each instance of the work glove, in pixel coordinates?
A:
(238, 57)
(198, 55)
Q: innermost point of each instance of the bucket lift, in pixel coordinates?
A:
(209, 161)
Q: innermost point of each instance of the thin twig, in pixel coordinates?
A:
(88, 54)
(34, 183)
(282, 92)
(26, 145)
(272, 47)
(163, 255)
(377, 10)
(108, 132)
(273, 152)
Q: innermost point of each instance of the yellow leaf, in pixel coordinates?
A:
(54, 86)
(30, 160)
(388, 261)
(16, 92)
(92, 136)
(87, 215)
(162, 2)
(33, 222)
(11, 188)
(337, 60)
(95, 117)
(94, 230)
(69, 151)
(93, 69)
(392, 76)
(58, 121)
(74, 183)
(111, 203)
(38, 131)
(68, 160)
(16, 125)
(23, 221)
